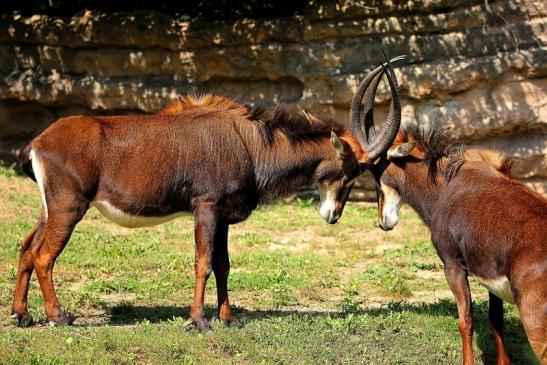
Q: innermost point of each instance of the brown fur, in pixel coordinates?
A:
(269, 122)
(482, 223)
(206, 100)
(434, 146)
(496, 160)
(207, 155)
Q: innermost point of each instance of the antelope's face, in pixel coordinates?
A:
(336, 178)
(389, 203)
(355, 154)
(389, 178)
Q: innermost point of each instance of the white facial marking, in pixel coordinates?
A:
(499, 286)
(39, 173)
(328, 194)
(127, 220)
(392, 204)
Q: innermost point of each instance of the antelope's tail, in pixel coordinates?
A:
(26, 162)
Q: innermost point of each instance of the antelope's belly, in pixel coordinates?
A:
(499, 286)
(122, 218)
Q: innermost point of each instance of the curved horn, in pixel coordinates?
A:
(389, 131)
(355, 109)
(373, 78)
(368, 108)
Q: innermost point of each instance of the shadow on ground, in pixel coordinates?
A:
(515, 338)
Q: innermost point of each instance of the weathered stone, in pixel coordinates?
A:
(528, 152)
(489, 110)
(23, 120)
(477, 68)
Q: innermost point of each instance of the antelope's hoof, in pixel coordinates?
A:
(23, 319)
(61, 320)
(201, 324)
(231, 322)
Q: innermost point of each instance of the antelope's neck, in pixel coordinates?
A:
(284, 166)
(419, 191)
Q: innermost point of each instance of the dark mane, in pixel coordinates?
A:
(269, 120)
(434, 142)
(295, 129)
(437, 144)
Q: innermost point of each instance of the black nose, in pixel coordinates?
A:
(333, 221)
(384, 228)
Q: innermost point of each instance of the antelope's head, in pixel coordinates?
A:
(380, 158)
(354, 155)
(390, 178)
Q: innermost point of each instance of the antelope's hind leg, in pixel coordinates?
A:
(64, 212)
(495, 315)
(532, 306)
(19, 310)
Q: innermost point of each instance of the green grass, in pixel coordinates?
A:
(307, 292)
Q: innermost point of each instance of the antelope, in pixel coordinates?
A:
(483, 223)
(208, 155)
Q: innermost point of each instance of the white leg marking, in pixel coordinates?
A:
(39, 173)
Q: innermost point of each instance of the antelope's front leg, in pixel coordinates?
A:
(221, 268)
(206, 222)
(457, 279)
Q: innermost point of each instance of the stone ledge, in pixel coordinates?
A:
(154, 30)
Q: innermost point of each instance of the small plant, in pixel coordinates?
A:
(349, 304)
(305, 202)
(251, 239)
(389, 278)
(8, 171)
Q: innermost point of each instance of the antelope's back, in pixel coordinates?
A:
(158, 158)
(495, 219)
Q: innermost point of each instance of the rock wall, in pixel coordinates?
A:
(478, 68)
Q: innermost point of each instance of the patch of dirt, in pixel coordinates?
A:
(430, 296)
(91, 317)
(383, 247)
(430, 275)
(17, 186)
(116, 298)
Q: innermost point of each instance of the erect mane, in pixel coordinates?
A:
(295, 128)
(495, 159)
(269, 121)
(436, 144)
(186, 102)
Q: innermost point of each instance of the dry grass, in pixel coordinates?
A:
(307, 292)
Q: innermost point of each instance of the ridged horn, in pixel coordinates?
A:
(367, 87)
(388, 133)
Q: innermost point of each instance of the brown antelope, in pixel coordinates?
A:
(209, 155)
(482, 223)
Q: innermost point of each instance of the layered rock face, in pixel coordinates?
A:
(476, 68)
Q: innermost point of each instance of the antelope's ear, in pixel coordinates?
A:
(401, 150)
(310, 117)
(337, 144)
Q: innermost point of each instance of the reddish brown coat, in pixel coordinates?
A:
(482, 223)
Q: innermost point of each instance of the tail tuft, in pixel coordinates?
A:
(26, 163)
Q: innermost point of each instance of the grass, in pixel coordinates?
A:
(307, 292)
